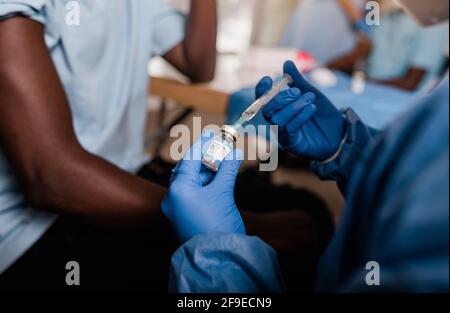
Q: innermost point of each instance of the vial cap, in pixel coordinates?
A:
(230, 130)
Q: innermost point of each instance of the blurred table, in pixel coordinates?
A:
(233, 72)
(378, 106)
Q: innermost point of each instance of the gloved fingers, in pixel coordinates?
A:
(291, 111)
(263, 86)
(165, 206)
(299, 80)
(301, 83)
(295, 125)
(191, 164)
(206, 176)
(228, 171)
(281, 101)
(362, 26)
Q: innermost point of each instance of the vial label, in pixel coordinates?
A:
(219, 150)
(216, 153)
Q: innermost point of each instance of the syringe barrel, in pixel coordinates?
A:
(267, 97)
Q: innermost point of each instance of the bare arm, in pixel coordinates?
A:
(363, 47)
(38, 139)
(353, 14)
(410, 81)
(347, 62)
(196, 55)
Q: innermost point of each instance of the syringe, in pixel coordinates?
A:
(263, 101)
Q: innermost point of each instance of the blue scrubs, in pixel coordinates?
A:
(396, 185)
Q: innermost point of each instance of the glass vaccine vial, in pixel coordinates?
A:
(222, 144)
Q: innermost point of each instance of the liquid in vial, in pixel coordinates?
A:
(221, 146)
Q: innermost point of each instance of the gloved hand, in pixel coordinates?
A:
(362, 26)
(309, 124)
(200, 202)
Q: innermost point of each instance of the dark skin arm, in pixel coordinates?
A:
(363, 47)
(347, 62)
(196, 55)
(353, 14)
(410, 81)
(38, 139)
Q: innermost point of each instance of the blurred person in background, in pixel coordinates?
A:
(397, 52)
(405, 55)
(330, 30)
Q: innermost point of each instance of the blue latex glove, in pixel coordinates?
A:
(309, 124)
(200, 202)
(362, 26)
